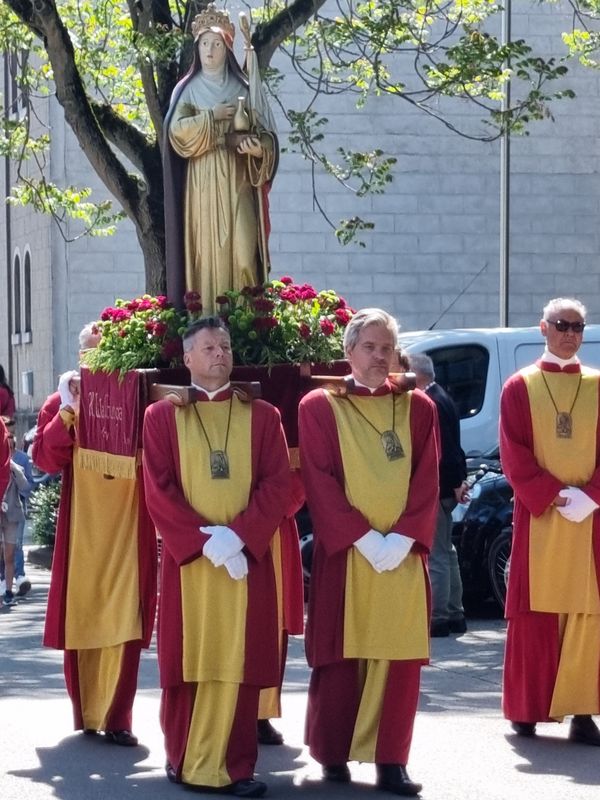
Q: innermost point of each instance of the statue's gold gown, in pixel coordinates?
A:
(222, 218)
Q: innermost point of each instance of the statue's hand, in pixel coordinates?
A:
(251, 146)
(223, 111)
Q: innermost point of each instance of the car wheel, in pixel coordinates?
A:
(498, 564)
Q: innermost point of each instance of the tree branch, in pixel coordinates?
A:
(268, 36)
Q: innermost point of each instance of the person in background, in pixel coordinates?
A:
(550, 450)
(4, 462)
(12, 516)
(102, 594)
(369, 463)
(447, 612)
(24, 482)
(7, 397)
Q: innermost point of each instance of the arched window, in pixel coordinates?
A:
(17, 295)
(27, 292)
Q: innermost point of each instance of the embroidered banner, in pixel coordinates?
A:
(109, 413)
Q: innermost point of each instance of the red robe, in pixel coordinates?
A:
(53, 452)
(4, 459)
(337, 525)
(533, 650)
(178, 524)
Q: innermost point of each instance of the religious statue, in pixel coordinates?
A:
(220, 156)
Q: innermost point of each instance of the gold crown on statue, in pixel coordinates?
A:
(211, 17)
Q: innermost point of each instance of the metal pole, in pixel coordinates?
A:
(505, 186)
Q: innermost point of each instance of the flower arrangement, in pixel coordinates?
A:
(144, 332)
(277, 322)
(281, 322)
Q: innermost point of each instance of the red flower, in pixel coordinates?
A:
(160, 328)
(262, 304)
(192, 301)
(133, 305)
(257, 291)
(162, 302)
(327, 327)
(304, 330)
(122, 333)
(106, 314)
(222, 300)
(343, 316)
(172, 348)
(264, 323)
(287, 280)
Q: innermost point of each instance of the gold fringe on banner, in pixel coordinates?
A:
(109, 464)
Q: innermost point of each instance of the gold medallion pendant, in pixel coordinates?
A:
(564, 425)
(219, 464)
(392, 446)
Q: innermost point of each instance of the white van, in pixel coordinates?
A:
(473, 364)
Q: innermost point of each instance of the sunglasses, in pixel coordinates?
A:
(562, 326)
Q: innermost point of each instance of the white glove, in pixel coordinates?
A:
(67, 398)
(222, 545)
(397, 547)
(237, 566)
(371, 546)
(4, 506)
(579, 504)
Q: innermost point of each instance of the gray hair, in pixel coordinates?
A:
(422, 364)
(559, 304)
(89, 336)
(369, 316)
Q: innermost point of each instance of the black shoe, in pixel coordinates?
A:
(90, 732)
(171, 773)
(458, 625)
(439, 628)
(122, 738)
(338, 773)
(248, 788)
(523, 728)
(584, 730)
(8, 599)
(394, 778)
(267, 734)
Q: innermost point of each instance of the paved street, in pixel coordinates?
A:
(462, 747)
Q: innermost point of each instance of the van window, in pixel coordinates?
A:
(462, 371)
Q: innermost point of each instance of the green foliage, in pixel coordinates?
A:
(282, 322)
(128, 56)
(140, 333)
(44, 512)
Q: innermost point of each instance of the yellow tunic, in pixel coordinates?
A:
(380, 493)
(561, 573)
(213, 604)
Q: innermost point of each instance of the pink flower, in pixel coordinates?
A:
(289, 295)
(160, 328)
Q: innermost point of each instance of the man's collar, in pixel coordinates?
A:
(224, 390)
(385, 387)
(550, 358)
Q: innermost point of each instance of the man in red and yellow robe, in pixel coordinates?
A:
(218, 623)
(370, 466)
(102, 598)
(550, 448)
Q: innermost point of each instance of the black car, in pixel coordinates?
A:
(483, 537)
